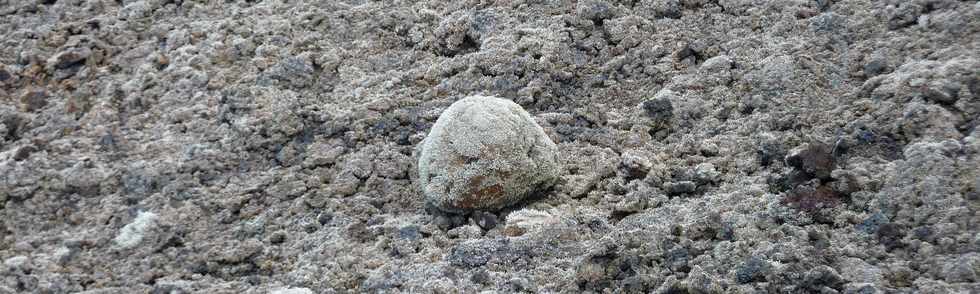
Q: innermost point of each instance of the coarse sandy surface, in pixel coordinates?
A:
(726, 146)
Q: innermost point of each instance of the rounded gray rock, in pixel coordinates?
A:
(485, 153)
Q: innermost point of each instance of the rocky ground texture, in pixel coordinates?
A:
(169, 146)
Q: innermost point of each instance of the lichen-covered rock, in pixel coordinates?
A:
(484, 153)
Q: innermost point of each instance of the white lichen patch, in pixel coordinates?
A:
(132, 234)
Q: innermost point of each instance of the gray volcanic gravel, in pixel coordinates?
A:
(737, 146)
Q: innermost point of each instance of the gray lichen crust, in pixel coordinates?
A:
(485, 153)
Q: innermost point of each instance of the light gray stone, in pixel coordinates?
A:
(485, 153)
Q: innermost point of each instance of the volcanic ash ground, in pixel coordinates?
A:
(734, 146)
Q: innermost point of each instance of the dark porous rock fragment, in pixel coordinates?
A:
(823, 5)
(891, 235)
(660, 109)
(823, 279)
(815, 159)
(34, 100)
(818, 239)
(680, 187)
(752, 270)
(410, 233)
(905, 15)
(5, 74)
(277, 237)
(591, 273)
(634, 166)
(686, 55)
(595, 10)
(677, 260)
(943, 92)
(485, 220)
(861, 288)
(813, 200)
(865, 143)
(69, 58)
(520, 285)
(445, 220)
(666, 9)
(924, 233)
(610, 268)
(360, 232)
(872, 223)
(876, 66)
(964, 269)
(24, 152)
(770, 151)
(479, 252)
(297, 72)
(481, 277)
(827, 22)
